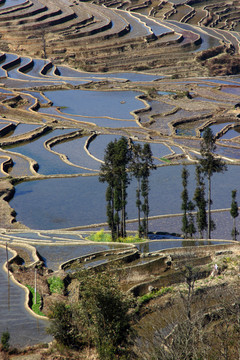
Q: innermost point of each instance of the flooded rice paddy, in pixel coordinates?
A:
(23, 327)
(55, 255)
(113, 104)
(49, 163)
(62, 203)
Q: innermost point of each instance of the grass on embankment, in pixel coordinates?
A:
(56, 285)
(35, 307)
(152, 295)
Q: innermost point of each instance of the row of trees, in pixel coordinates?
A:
(207, 166)
(124, 160)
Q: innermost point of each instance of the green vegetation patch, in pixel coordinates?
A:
(131, 239)
(35, 307)
(101, 236)
(166, 160)
(154, 294)
(56, 285)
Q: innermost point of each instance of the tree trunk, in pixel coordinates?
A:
(123, 219)
(113, 221)
(209, 208)
(234, 228)
(138, 207)
(147, 212)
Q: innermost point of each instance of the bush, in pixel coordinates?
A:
(62, 326)
(100, 236)
(130, 239)
(101, 317)
(56, 285)
(5, 340)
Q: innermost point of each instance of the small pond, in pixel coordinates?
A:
(217, 127)
(76, 153)
(116, 104)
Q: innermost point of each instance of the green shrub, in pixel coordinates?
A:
(5, 340)
(130, 239)
(35, 307)
(227, 259)
(100, 236)
(99, 318)
(56, 285)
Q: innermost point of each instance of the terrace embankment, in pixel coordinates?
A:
(97, 38)
(7, 214)
(138, 273)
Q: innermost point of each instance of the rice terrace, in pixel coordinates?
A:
(119, 180)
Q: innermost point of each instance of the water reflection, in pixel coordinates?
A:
(59, 203)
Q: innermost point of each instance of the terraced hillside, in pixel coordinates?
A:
(56, 120)
(115, 35)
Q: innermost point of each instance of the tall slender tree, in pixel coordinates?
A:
(199, 198)
(184, 197)
(188, 226)
(136, 170)
(191, 225)
(209, 165)
(123, 156)
(107, 175)
(147, 166)
(141, 165)
(234, 214)
(114, 172)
